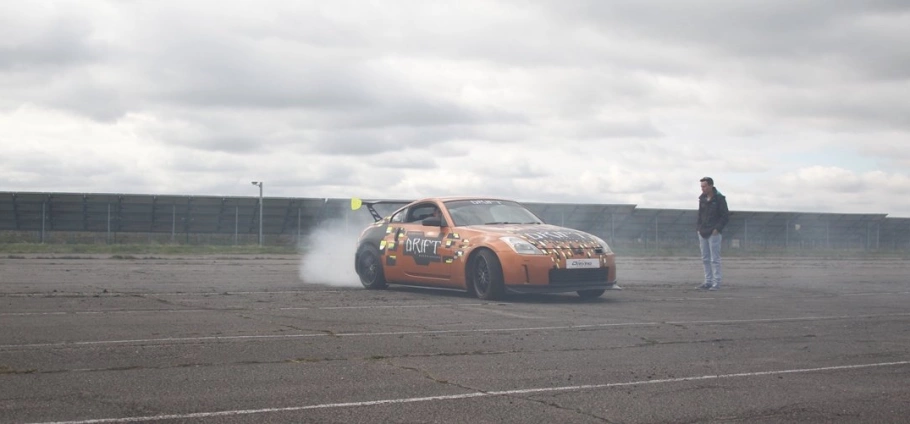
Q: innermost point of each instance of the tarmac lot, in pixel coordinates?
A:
(210, 339)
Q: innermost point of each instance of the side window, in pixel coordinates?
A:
(419, 212)
(398, 217)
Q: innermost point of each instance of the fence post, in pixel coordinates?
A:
(745, 232)
(43, 219)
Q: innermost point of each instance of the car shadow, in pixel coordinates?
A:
(544, 299)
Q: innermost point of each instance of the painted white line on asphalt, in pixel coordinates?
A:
(516, 392)
(870, 294)
(258, 292)
(162, 340)
(498, 330)
(181, 294)
(213, 293)
(760, 320)
(455, 331)
(293, 336)
(330, 308)
(131, 311)
(504, 313)
(300, 308)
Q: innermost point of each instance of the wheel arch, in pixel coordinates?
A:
(472, 255)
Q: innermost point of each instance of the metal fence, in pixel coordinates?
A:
(209, 220)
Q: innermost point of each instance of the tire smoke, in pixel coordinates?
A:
(328, 255)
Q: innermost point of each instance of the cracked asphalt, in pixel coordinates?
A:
(244, 340)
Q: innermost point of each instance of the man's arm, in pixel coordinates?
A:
(724, 217)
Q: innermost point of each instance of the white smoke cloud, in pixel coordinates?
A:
(328, 255)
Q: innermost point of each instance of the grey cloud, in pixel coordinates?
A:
(339, 174)
(353, 145)
(425, 114)
(226, 142)
(211, 133)
(57, 173)
(889, 153)
(406, 159)
(619, 129)
(753, 27)
(848, 108)
(510, 167)
(47, 46)
(357, 97)
(395, 140)
(91, 97)
(184, 160)
(847, 41)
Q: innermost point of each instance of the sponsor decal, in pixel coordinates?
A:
(422, 247)
(582, 263)
(555, 236)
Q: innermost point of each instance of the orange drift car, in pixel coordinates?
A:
(485, 246)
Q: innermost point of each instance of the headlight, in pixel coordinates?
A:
(606, 247)
(521, 246)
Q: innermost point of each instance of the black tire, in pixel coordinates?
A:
(485, 273)
(590, 294)
(369, 267)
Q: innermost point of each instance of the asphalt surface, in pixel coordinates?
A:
(245, 340)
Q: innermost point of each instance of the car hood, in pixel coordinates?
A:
(543, 234)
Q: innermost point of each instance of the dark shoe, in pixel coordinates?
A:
(713, 288)
(703, 287)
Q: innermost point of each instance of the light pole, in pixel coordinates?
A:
(259, 183)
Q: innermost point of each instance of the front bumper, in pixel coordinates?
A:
(560, 288)
(541, 274)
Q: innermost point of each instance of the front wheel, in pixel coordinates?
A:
(369, 267)
(486, 276)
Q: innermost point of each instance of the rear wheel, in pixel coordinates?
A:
(590, 294)
(486, 276)
(369, 267)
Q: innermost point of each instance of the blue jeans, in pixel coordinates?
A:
(710, 256)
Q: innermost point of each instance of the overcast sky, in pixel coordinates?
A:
(789, 105)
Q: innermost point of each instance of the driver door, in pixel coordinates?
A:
(421, 255)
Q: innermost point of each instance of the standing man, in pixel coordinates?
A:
(713, 216)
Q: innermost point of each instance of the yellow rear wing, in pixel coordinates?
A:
(357, 203)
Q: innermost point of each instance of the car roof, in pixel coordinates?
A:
(455, 198)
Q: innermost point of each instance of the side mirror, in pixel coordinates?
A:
(433, 221)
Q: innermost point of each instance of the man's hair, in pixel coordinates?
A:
(708, 180)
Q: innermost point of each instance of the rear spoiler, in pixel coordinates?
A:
(357, 203)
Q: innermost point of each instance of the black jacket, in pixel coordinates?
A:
(713, 214)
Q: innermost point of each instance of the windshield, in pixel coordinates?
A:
(486, 212)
